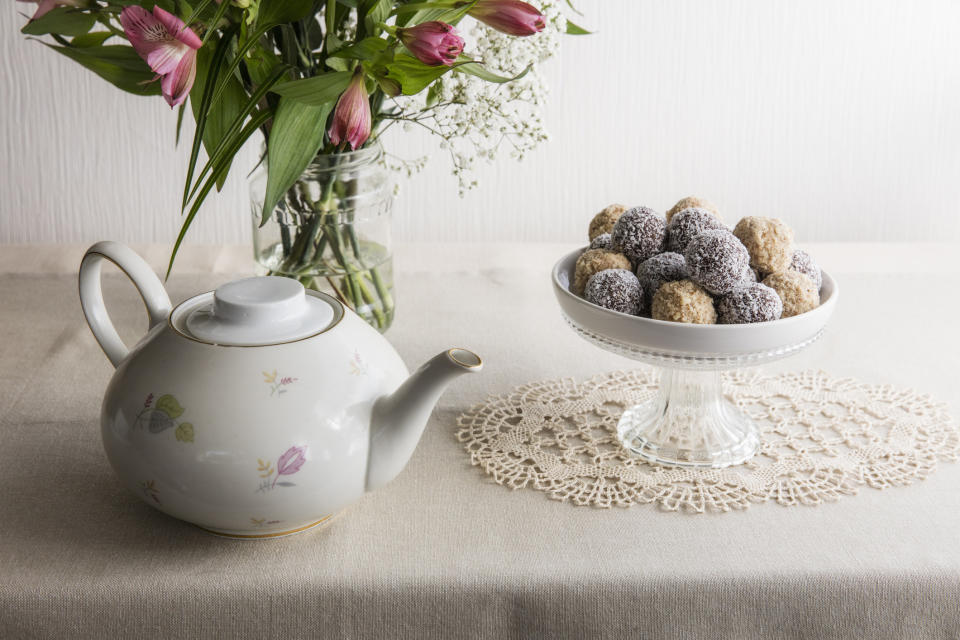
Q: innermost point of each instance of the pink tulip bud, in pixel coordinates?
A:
(513, 17)
(46, 6)
(351, 116)
(291, 461)
(433, 43)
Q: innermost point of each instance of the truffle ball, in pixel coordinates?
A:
(749, 276)
(796, 290)
(683, 301)
(692, 202)
(769, 241)
(804, 263)
(716, 260)
(663, 267)
(615, 289)
(752, 303)
(688, 224)
(603, 222)
(592, 261)
(639, 234)
(602, 241)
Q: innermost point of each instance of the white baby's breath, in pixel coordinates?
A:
(476, 119)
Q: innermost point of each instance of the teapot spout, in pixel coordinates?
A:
(399, 419)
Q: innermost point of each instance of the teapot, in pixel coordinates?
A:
(258, 409)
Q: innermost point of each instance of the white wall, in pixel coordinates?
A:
(843, 117)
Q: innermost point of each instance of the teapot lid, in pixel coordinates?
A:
(255, 312)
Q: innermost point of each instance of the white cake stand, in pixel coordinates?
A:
(689, 422)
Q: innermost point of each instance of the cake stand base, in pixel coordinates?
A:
(689, 424)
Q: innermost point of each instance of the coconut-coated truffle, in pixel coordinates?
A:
(687, 224)
(615, 289)
(592, 261)
(639, 233)
(796, 290)
(602, 241)
(603, 222)
(663, 267)
(692, 202)
(716, 260)
(804, 263)
(683, 301)
(752, 303)
(769, 241)
(749, 277)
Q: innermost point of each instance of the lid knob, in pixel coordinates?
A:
(257, 311)
(255, 300)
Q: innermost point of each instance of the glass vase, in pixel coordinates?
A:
(332, 231)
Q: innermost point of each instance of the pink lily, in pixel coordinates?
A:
(168, 45)
(46, 6)
(512, 17)
(351, 117)
(433, 43)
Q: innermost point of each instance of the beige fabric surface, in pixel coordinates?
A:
(443, 552)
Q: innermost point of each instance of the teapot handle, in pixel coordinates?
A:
(91, 295)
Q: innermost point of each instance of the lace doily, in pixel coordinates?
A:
(821, 438)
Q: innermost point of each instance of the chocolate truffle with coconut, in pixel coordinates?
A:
(639, 233)
(752, 303)
(602, 241)
(615, 289)
(716, 260)
(664, 267)
(688, 224)
(592, 261)
(804, 263)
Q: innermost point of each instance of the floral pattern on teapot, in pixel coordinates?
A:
(149, 490)
(288, 464)
(277, 383)
(162, 415)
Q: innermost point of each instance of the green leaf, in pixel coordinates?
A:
(296, 136)
(217, 17)
(183, 107)
(372, 13)
(215, 156)
(62, 20)
(184, 432)
(412, 75)
(432, 95)
(117, 64)
(315, 91)
(366, 49)
(218, 174)
(92, 39)
(283, 11)
(169, 405)
(448, 12)
(208, 68)
(480, 71)
(259, 61)
(575, 30)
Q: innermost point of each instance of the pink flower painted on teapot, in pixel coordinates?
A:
(288, 464)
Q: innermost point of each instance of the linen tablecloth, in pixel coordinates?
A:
(443, 552)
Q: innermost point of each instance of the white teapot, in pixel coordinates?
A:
(258, 409)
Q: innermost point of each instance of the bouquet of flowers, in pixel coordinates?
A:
(319, 79)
